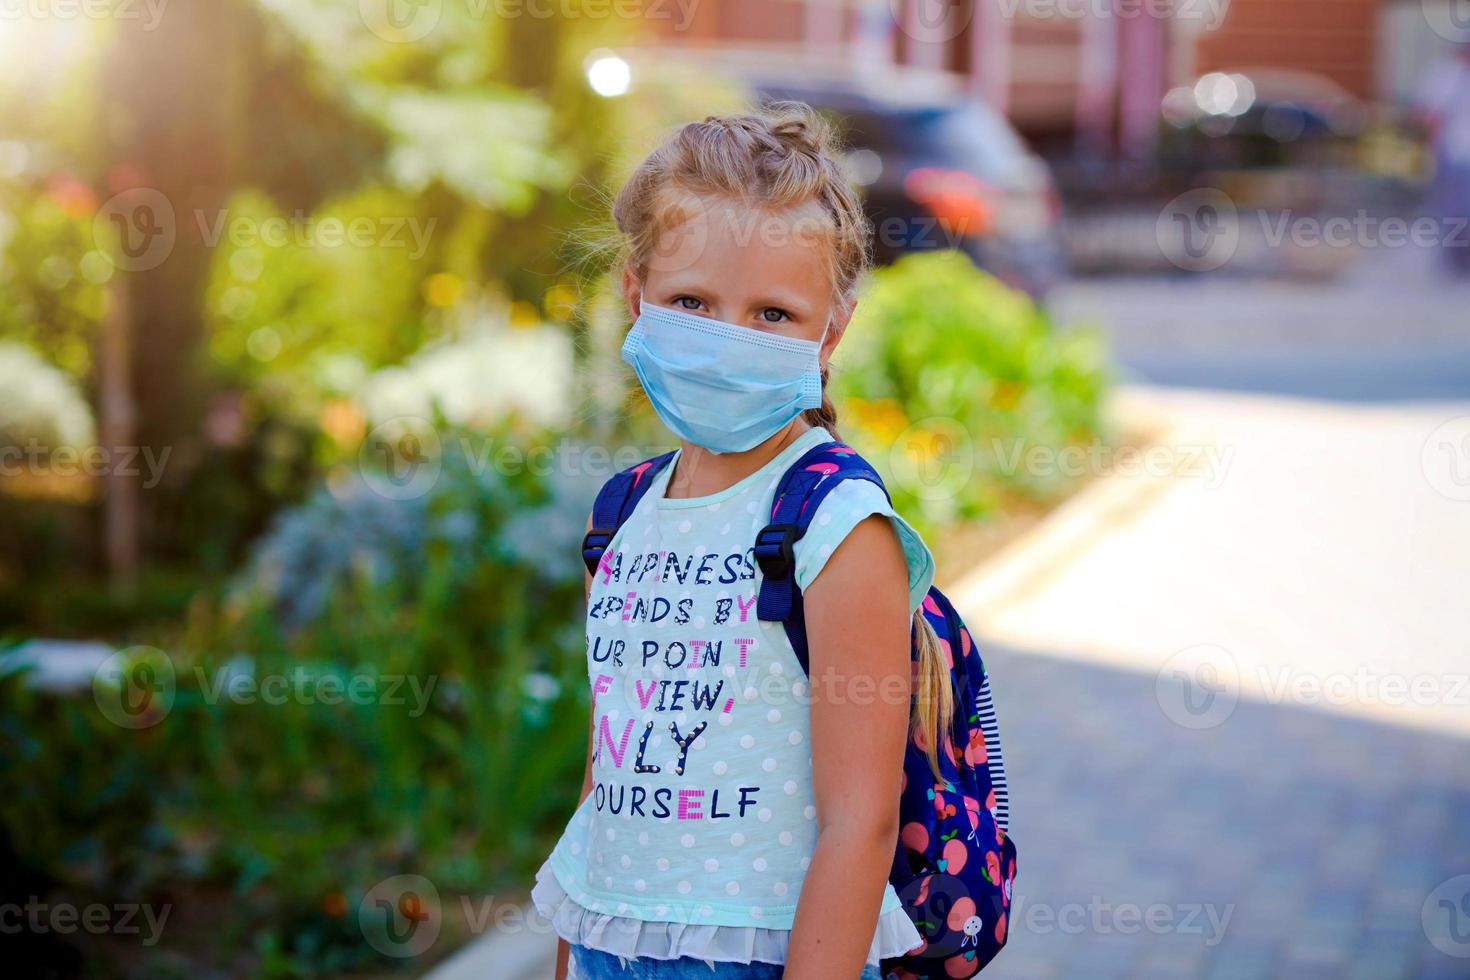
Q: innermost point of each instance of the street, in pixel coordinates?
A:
(1390, 327)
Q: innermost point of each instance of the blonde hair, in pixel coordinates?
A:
(776, 159)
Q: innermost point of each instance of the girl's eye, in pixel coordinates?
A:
(687, 303)
(772, 314)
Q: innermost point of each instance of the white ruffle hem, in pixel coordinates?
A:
(633, 938)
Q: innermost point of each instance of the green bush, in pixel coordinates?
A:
(457, 616)
(947, 380)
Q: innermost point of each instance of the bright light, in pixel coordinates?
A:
(1220, 94)
(864, 166)
(1215, 93)
(609, 75)
(1245, 95)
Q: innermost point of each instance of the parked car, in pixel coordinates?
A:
(1261, 119)
(939, 167)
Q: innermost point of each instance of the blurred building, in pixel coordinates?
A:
(1090, 75)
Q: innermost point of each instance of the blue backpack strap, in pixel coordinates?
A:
(801, 491)
(615, 501)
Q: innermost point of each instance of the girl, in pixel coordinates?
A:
(738, 816)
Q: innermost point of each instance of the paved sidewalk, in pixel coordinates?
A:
(1316, 546)
(1198, 706)
(1285, 843)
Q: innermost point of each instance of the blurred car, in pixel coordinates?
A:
(1263, 118)
(939, 168)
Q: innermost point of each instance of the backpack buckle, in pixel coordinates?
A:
(594, 543)
(776, 555)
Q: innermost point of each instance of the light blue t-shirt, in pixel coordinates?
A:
(702, 808)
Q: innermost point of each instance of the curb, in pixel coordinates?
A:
(522, 955)
(1100, 508)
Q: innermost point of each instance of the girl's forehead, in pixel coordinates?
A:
(727, 240)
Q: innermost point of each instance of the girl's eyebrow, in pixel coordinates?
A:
(791, 304)
(686, 289)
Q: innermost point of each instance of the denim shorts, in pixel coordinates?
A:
(593, 964)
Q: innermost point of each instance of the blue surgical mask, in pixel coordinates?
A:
(719, 385)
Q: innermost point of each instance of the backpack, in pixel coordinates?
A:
(954, 861)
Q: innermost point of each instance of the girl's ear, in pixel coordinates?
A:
(840, 319)
(632, 289)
